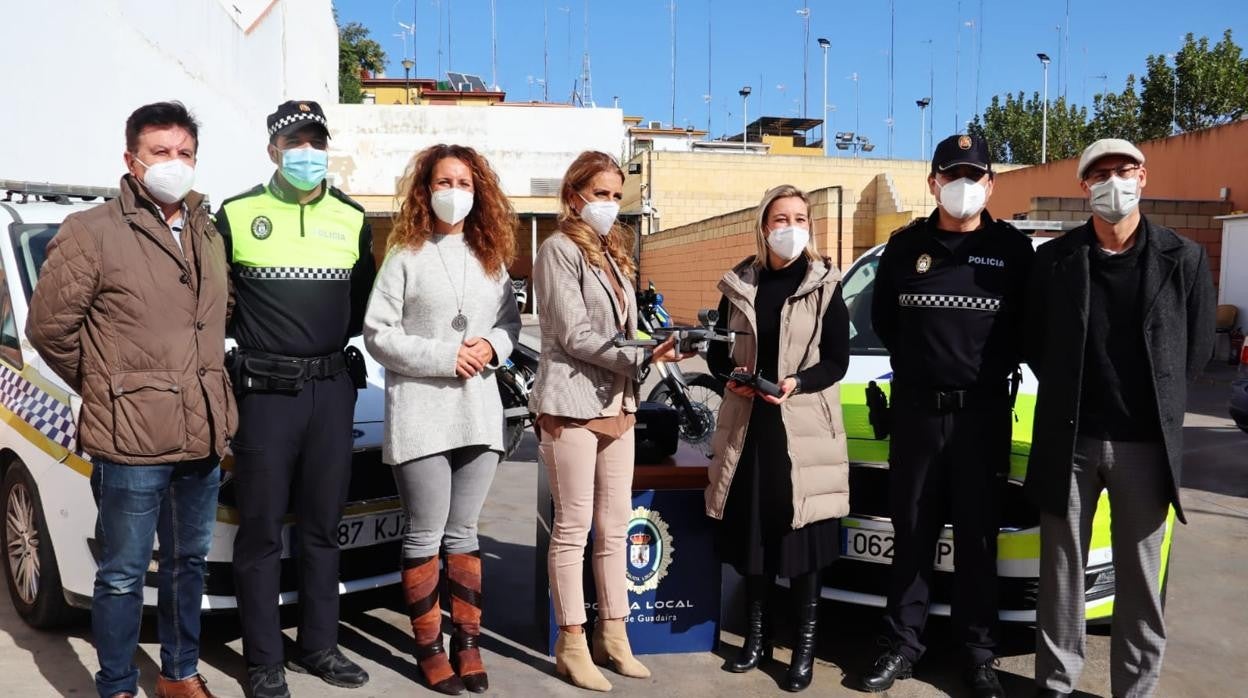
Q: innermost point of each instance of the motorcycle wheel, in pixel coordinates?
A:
(705, 394)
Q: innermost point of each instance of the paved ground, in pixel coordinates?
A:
(1206, 612)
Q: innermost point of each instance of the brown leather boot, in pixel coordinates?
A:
(420, 591)
(463, 571)
(193, 687)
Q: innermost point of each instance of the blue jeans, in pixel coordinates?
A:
(176, 503)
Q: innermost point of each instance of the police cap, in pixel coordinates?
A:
(293, 115)
(962, 149)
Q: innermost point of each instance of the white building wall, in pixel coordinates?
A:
(371, 145)
(75, 69)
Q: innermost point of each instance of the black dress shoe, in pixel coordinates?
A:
(267, 681)
(332, 667)
(890, 667)
(1051, 693)
(983, 681)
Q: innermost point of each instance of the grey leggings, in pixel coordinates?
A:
(442, 496)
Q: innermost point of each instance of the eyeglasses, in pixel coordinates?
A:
(1100, 175)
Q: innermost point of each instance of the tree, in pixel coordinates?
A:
(1157, 99)
(1213, 84)
(356, 52)
(1014, 129)
(1116, 115)
(1212, 89)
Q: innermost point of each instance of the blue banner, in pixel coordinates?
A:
(672, 574)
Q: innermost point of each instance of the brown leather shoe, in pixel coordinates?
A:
(193, 687)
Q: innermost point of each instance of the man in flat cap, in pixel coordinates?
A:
(1120, 316)
(948, 306)
(302, 268)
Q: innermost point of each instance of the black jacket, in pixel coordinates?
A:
(1177, 313)
(952, 320)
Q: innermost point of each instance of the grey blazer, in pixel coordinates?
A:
(579, 317)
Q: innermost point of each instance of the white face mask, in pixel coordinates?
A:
(788, 242)
(1115, 198)
(168, 182)
(451, 205)
(600, 215)
(962, 198)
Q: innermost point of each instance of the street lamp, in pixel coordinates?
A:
(1044, 131)
(922, 104)
(857, 111)
(825, 44)
(407, 78)
(745, 117)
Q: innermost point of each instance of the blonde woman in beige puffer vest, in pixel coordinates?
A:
(779, 482)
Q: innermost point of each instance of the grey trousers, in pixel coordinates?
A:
(1137, 477)
(442, 496)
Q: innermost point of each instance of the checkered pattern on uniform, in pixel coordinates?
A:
(301, 273)
(938, 300)
(292, 118)
(51, 417)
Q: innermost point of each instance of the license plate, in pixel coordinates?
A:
(876, 545)
(358, 531)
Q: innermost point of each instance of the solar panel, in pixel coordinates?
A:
(478, 85)
(456, 80)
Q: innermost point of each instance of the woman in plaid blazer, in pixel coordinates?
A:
(585, 397)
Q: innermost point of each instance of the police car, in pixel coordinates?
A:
(48, 513)
(862, 575)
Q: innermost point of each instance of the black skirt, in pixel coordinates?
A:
(755, 535)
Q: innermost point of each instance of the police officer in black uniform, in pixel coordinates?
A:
(947, 305)
(302, 269)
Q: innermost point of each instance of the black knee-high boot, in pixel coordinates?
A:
(805, 591)
(757, 640)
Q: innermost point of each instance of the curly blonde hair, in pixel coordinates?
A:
(581, 172)
(489, 229)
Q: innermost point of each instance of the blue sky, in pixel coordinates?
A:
(760, 43)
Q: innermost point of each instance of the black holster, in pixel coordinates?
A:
(356, 368)
(257, 371)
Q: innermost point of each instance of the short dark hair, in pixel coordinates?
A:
(160, 114)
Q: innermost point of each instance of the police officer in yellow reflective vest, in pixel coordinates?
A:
(302, 268)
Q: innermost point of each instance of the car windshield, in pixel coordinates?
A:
(858, 287)
(30, 240)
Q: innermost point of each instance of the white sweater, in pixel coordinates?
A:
(407, 329)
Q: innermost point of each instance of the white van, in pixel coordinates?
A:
(48, 511)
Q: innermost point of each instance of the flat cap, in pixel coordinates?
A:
(1104, 148)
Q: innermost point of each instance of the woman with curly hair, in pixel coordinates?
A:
(585, 396)
(441, 317)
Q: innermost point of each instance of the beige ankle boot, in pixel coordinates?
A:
(573, 661)
(611, 649)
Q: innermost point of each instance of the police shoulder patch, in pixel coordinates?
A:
(261, 227)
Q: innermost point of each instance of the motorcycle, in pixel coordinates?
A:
(695, 396)
(515, 382)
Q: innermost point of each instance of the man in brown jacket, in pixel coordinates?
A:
(130, 311)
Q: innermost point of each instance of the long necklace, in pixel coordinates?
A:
(459, 323)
